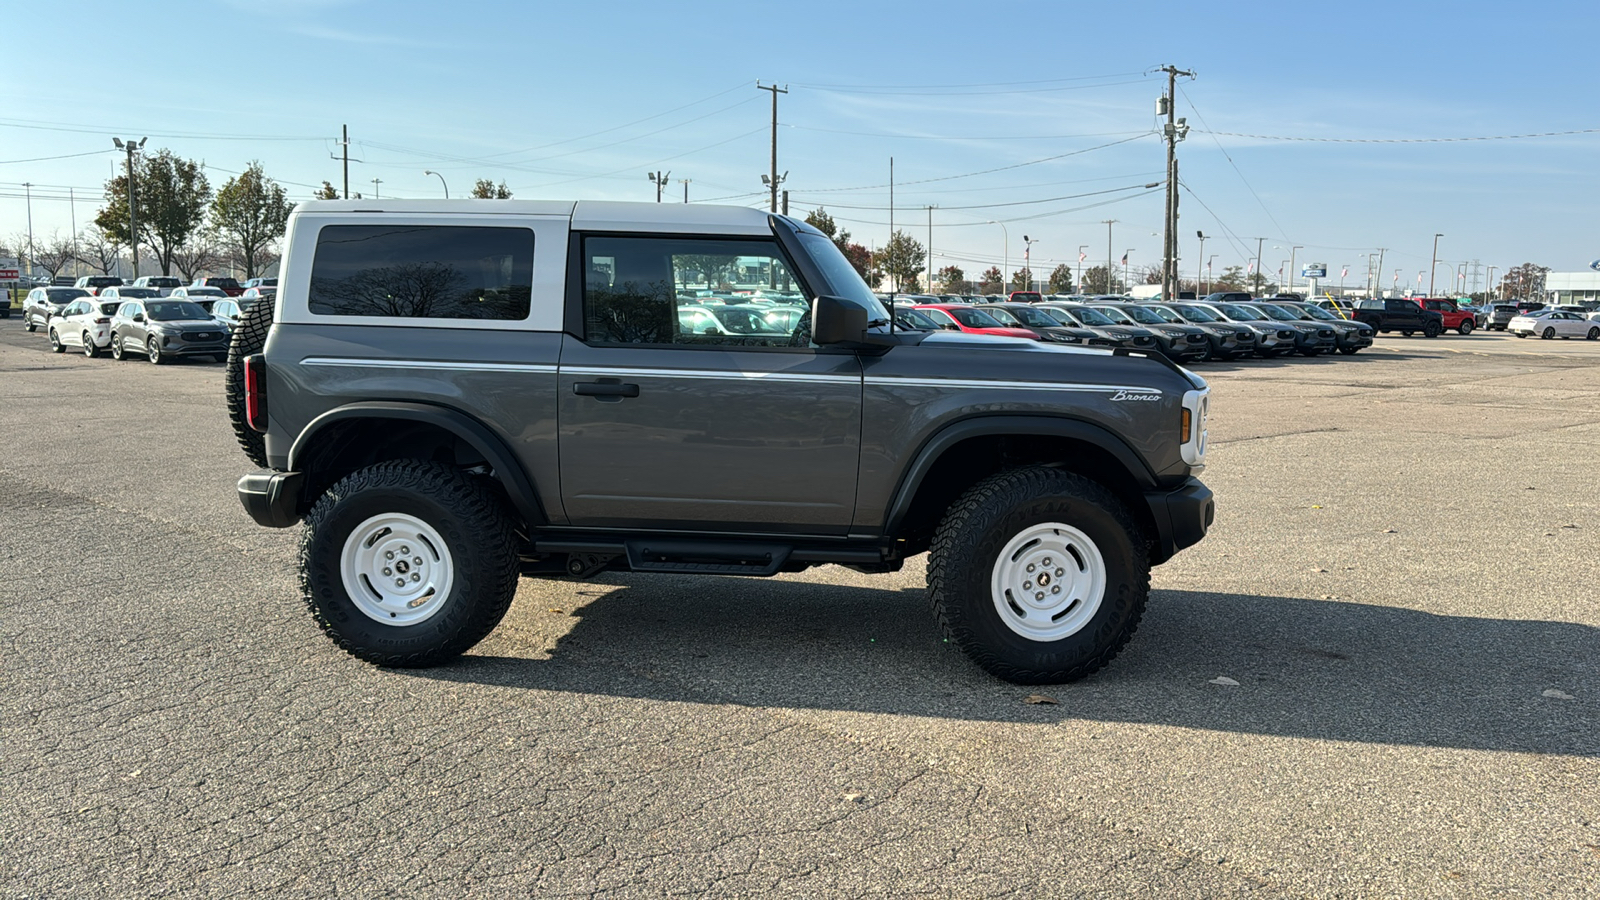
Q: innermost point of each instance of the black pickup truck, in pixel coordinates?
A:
(1404, 316)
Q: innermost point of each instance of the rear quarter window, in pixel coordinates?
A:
(422, 272)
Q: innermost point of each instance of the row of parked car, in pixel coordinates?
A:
(157, 321)
(1182, 330)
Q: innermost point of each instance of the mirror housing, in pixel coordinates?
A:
(837, 322)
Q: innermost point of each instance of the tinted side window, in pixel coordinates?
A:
(422, 272)
(691, 291)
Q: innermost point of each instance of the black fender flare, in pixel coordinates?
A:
(983, 425)
(509, 472)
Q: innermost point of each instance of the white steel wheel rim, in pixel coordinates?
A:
(396, 569)
(1048, 582)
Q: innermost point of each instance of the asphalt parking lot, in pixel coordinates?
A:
(1401, 598)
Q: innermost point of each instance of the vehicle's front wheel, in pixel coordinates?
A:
(55, 342)
(152, 349)
(116, 348)
(1593, 334)
(408, 563)
(1039, 575)
(32, 325)
(1466, 326)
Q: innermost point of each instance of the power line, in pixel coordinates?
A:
(1443, 140)
(104, 129)
(985, 171)
(931, 92)
(937, 137)
(1043, 215)
(1131, 187)
(1281, 231)
(7, 162)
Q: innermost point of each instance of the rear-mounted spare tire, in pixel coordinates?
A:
(248, 339)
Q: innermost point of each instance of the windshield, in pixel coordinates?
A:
(843, 280)
(1276, 312)
(1164, 314)
(1141, 315)
(1317, 312)
(164, 282)
(1026, 296)
(206, 292)
(107, 309)
(1003, 316)
(1198, 314)
(1033, 317)
(1115, 315)
(1091, 317)
(1239, 313)
(131, 293)
(915, 318)
(974, 318)
(65, 295)
(174, 310)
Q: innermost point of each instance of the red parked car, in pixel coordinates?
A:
(971, 320)
(1454, 316)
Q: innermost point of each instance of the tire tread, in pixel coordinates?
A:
(248, 338)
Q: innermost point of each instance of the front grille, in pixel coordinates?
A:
(1286, 335)
(201, 335)
(1326, 332)
(1143, 340)
(1196, 338)
(1247, 335)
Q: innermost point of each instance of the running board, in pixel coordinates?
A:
(584, 558)
(708, 557)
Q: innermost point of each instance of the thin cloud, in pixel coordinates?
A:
(355, 37)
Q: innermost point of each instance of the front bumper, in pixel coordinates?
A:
(272, 498)
(1181, 516)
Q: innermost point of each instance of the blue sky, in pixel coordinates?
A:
(582, 100)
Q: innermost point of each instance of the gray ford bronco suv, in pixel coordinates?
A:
(454, 394)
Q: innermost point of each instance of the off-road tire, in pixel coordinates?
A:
(477, 529)
(977, 527)
(55, 342)
(248, 338)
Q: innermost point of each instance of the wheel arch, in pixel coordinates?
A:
(332, 444)
(967, 450)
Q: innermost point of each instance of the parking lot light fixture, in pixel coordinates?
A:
(441, 181)
(130, 145)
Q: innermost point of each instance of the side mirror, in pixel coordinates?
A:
(835, 320)
(139, 317)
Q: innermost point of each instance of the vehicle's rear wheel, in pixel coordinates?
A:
(90, 348)
(1039, 575)
(1549, 333)
(32, 325)
(55, 342)
(116, 348)
(408, 563)
(152, 351)
(249, 336)
(1466, 326)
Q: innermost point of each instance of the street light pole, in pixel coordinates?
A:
(133, 206)
(1005, 252)
(1488, 286)
(1027, 263)
(1125, 285)
(441, 181)
(1435, 262)
(1083, 253)
(1108, 224)
(1292, 249)
(1209, 276)
(685, 183)
(1197, 272)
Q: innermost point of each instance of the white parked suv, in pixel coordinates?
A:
(83, 323)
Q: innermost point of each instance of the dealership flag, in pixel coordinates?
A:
(1250, 268)
(1124, 259)
(1344, 271)
(1082, 257)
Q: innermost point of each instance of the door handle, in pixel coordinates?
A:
(606, 389)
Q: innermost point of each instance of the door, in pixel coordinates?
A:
(693, 398)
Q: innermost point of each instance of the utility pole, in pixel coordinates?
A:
(891, 198)
(1259, 242)
(1108, 224)
(1175, 131)
(1435, 262)
(133, 206)
(28, 190)
(1377, 278)
(1198, 266)
(786, 201)
(1488, 285)
(685, 183)
(774, 180)
(72, 206)
(375, 183)
(930, 248)
(344, 141)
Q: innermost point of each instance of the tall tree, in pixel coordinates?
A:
(1524, 282)
(98, 251)
(199, 255)
(172, 194)
(953, 279)
(1061, 279)
(862, 260)
(1148, 274)
(902, 259)
(326, 192)
(1231, 279)
(52, 254)
(249, 213)
(486, 189)
(992, 281)
(1022, 280)
(820, 220)
(1095, 282)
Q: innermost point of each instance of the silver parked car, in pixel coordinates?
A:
(44, 302)
(165, 329)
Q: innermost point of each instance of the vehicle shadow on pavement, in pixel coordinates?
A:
(1305, 668)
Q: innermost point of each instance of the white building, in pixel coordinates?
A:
(1572, 287)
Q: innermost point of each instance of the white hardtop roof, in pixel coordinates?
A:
(587, 215)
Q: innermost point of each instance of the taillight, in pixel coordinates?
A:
(102, 321)
(255, 392)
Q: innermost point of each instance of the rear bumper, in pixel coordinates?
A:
(272, 498)
(1181, 516)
